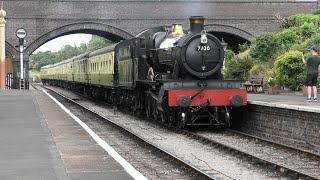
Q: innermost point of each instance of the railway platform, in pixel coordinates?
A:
(41, 141)
(287, 101)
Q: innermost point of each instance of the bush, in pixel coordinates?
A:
(288, 37)
(299, 19)
(263, 47)
(317, 11)
(307, 29)
(257, 69)
(315, 39)
(243, 47)
(229, 55)
(271, 82)
(298, 47)
(290, 70)
(238, 68)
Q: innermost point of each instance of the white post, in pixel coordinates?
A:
(21, 34)
(21, 67)
(2, 48)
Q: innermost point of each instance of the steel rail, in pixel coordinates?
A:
(281, 168)
(179, 161)
(231, 150)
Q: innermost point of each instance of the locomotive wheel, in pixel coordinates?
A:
(155, 111)
(181, 124)
(171, 121)
(163, 117)
(148, 108)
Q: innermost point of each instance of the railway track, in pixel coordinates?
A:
(143, 155)
(292, 162)
(307, 168)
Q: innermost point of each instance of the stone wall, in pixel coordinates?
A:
(40, 17)
(44, 19)
(294, 128)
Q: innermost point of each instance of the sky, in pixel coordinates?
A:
(56, 44)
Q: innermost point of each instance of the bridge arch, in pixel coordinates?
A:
(112, 33)
(232, 35)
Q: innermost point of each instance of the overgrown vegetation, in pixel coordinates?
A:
(290, 71)
(277, 55)
(238, 68)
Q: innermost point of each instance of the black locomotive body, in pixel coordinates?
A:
(169, 74)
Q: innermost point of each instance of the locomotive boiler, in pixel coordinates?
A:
(166, 73)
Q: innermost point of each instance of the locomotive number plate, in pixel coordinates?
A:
(203, 48)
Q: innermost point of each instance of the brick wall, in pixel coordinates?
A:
(290, 127)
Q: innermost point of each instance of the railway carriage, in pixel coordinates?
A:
(169, 74)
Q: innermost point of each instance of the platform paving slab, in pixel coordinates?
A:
(83, 158)
(294, 102)
(27, 151)
(40, 141)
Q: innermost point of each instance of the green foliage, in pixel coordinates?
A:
(97, 42)
(271, 82)
(229, 55)
(298, 47)
(290, 70)
(307, 29)
(287, 37)
(317, 11)
(264, 47)
(243, 47)
(315, 39)
(66, 52)
(34, 76)
(257, 69)
(44, 58)
(299, 19)
(238, 68)
(41, 59)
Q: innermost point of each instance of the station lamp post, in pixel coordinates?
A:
(21, 34)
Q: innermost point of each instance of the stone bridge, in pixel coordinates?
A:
(236, 21)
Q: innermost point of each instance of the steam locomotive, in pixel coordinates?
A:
(166, 73)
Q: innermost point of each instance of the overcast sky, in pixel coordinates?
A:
(56, 44)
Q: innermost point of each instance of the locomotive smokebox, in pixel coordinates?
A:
(196, 24)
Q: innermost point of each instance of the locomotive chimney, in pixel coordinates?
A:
(177, 30)
(196, 24)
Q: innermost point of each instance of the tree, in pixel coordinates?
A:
(41, 59)
(68, 52)
(97, 42)
(83, 48)
(264, 47)
(44, 58)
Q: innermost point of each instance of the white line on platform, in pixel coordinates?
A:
(125, 164)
